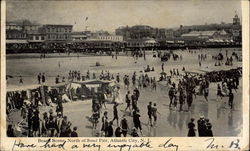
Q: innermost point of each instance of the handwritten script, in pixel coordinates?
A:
(142, 144)
(47, 144)
(169, 144)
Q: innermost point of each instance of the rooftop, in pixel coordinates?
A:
(59, 25)
(204, 33)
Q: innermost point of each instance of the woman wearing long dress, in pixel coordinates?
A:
(117, 96)
(191, 126)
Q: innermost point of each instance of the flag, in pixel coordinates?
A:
(86, 18)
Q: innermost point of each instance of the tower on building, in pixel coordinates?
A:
(236, 19)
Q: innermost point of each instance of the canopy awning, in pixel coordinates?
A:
(93, 82)
(58, 85)
(14, 88)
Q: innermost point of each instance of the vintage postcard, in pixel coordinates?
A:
(125, 75)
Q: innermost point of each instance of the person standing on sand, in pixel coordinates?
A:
(231, 98)
(39, 78)
(219, 92)
(115, 111)
(171, 95)
(154, 114)
(57, 79)
(118, 77)
(104, 123)
(43, 78)
(150, 114)
(206, 92)
(124, 126)
(128, 101)
(20, 80)
(110, 130)
(136, 120)
(191, 127)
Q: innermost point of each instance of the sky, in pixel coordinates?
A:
(109, 15)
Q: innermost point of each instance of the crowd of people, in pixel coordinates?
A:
(184, 91)
(107, 124)
(52, 123)
(204, 128)
(183, 88)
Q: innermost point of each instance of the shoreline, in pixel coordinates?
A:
(74, 55)
(49, 55)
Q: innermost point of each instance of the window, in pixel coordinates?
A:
(42, 37)
(37, 37)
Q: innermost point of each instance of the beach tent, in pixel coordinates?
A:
(25, 91)
(89, 87)
(14, 88)
(93, 84)
(56, 89)
(60, 87)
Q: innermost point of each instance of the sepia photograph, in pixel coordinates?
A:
(124, 69)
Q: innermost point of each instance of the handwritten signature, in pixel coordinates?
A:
(235, 144)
